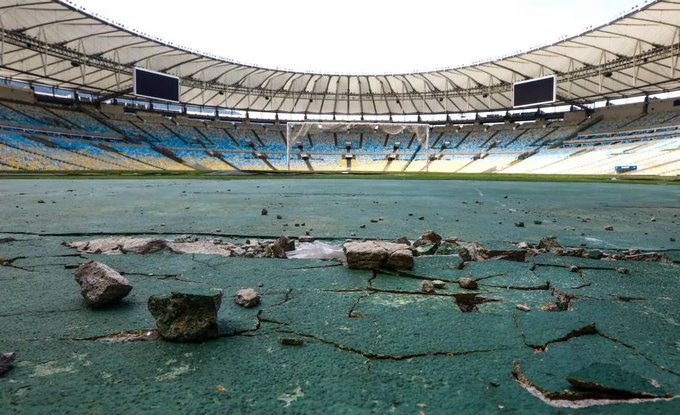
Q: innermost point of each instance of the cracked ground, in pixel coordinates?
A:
(327, 339)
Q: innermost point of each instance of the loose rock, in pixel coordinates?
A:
(609, 228)
(519, 224)
(291, 342)
(247, 298)
(279, 248)
(184, 317)
(523, 307)
(426, 287)
(438, 284)
(101, 285)
(467, 283)
(6, 362)
(264, 212)
(574, 268)
(622, 270)
(428, 238)
(550, 244)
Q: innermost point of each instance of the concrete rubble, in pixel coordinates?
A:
(101, 285)
(247, 298)
(186, 318)
(6, 362)
(378, 254)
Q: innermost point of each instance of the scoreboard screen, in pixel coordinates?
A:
(155, 85)
(534, 92)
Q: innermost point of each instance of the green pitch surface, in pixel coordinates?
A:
(371, 342)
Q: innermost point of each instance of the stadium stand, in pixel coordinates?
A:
(49, 137)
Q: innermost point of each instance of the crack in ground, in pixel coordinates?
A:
(261, 319)
(10, 263)
(163, 277)
(638, 352)
(130, 336)
(351, 313)
(587, 330)
(317, 266)
(406, 274)
(377, 356)
(38, 313)
(584, 399)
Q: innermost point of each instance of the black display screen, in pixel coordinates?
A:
(156, 85)
(533, 92)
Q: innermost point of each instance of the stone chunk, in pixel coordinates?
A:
(426, 287)
(550, 244)
(6, 361)
(186, 318)
(467, 283)
(247, 298)
(428, 238)
(291, 342)
(378, 254)
(438, 284)
(279, 248)
(609, 228)
(101, 285)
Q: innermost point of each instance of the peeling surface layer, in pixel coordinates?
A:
(328, 339)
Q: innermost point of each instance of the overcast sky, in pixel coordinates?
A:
(360, 36)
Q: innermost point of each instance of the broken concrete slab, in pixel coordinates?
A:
(378, 254)
(186, 318)
(612, 381)
(101, 285)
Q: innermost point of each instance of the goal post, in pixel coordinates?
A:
(295, 131)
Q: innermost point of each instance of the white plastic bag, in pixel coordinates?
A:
(317, 250)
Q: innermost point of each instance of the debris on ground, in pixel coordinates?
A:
(378, 254)
(247, 298)
(438, 284)
(101, 285)
(279, 248)
(317, 250)
(426, 287)
(6, 362)
(467, 283)
(291, 342)
(186, 318)
(523, 307)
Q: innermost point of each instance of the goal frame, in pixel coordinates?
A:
(297, 129)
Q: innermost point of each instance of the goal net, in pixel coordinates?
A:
(297, 133)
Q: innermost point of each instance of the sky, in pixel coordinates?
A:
(360, 36)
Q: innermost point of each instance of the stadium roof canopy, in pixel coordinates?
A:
(58, 44)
